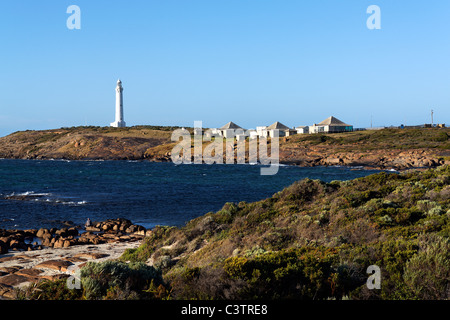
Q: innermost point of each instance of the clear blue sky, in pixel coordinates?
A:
(253, 62)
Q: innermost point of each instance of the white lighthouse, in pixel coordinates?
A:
(119, 123)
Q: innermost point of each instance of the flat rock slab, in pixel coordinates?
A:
(54, 277)
(91, 255)
(22, 268)
(92, 229)
(18, 259)
(11, 269)
(75, 259)
(6, 259)
(29, 272)
(13, 280)
(7, 291)
(58, 265)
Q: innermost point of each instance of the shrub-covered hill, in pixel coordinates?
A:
(314, 240)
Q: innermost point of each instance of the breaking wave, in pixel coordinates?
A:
(43, 197)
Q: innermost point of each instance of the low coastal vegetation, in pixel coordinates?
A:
(384, 138)
(312, 240)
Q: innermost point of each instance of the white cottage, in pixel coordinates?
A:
(330, 125)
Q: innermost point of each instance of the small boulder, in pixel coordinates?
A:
(140, 232)
(47, 236)
(58, 243)
(133, 228)
(62, 232)
(47, 241)
(41, 232)
(72, 232)
(3, 247)
(17, 245)
(93, 229)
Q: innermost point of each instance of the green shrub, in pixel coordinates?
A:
(357, 198)
(427, 274)
(436, 211)
(304, 190)
(204, 283)
(407, 216)
(440, 137)
(148, 245)
(130, 279)
(226, 214)
(304, 273)
(49, 290)
(385, 220)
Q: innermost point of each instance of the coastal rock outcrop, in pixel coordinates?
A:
(19, 269)
(108, 231)
(377, 159)
(84, 143)
(19, 264)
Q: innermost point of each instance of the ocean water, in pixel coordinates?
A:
(36, 194)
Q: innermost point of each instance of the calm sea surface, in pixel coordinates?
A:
(35, 194)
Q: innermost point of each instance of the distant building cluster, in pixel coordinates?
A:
(329, 125)
(229, 130)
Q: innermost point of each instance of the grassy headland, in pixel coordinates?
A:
(84, 143)
(388, 148)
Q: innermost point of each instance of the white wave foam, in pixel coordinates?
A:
(45, 197)
(74, 203)
(68, 203)
(28, 194)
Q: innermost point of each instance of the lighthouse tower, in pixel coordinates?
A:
(119, 123)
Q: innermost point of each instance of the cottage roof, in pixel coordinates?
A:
(230, 125)
(277, 125)
(332, 121)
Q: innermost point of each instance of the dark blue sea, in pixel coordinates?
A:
(36, 194)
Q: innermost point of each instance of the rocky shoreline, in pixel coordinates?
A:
(28, 256)
(398, 160)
